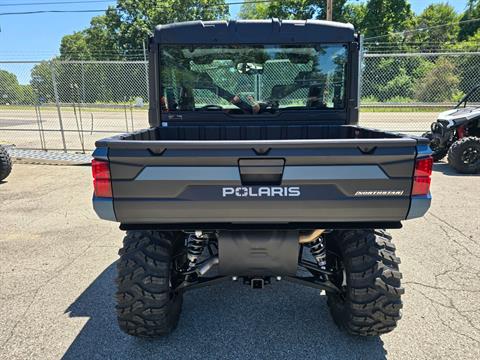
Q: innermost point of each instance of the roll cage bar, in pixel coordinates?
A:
(466, 97)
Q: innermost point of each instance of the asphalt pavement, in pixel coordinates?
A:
(57, 270)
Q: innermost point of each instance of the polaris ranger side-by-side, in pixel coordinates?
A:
(254, 169)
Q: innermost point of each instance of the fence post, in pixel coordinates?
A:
(82, 64)
(57, 102)
(146, 70)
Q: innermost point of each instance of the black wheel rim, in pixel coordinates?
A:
(471, 156)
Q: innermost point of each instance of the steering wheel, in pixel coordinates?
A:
(211, 107)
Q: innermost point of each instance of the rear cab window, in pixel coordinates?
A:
(252, 79)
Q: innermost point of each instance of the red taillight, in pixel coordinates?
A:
(421, 179)
(423, 166)
(101, 178)
(421, 185)
(100, 169)
(103, 188)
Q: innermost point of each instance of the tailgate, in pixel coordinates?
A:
(280, 181)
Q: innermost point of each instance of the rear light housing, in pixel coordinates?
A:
(102, 184)
(421, 178)
(423, 166)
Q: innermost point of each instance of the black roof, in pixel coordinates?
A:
(272, 31)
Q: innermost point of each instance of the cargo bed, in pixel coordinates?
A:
(252, 133)
(280, 174)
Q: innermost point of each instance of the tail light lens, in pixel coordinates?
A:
(422, 180)
(421, 185)
(101, 178)
(423, 166)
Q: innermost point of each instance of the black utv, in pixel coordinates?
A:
(5, 163)
(457, 133)
(254, 169)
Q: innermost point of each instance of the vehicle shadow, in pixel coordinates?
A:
(226, 321)
(446, 169)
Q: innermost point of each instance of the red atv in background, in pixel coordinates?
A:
(457, 133)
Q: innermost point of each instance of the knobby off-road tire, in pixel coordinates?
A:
(437, 153)
(146, 303)
(5, 163)
(457, 152)
(370, 302)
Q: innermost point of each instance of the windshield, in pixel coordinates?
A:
(253, 79)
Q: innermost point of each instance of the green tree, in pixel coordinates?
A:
(28, 95)
(122, 30)
(434, 37)
(385, 78)
(401, 86)
(9, 88)
(41, 82)
(102, 41)
(440, 84)
(392, 78)
(468, 29)
(119, 34)
(134, 20)
(10, 91)
(291, 9)
(467, 64)
(98, 42)
(75, 46)
(384, 17)
(255, 11)
(354, 14)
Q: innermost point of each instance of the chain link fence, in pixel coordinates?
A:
(406, 92)
(67, 105)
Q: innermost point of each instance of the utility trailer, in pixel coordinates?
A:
(254, 169)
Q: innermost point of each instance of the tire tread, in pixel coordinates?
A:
(145, 306)
(5, 163)
(455, 154)
(372, 305)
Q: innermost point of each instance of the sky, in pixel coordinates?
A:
(37, 36)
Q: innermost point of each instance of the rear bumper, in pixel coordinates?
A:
(419, 206)
(263, 226)
(104, 208)
(306, 217)
(162, 211)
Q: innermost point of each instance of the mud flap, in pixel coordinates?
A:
(258, 253)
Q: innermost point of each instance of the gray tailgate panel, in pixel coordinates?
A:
(319, 184)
